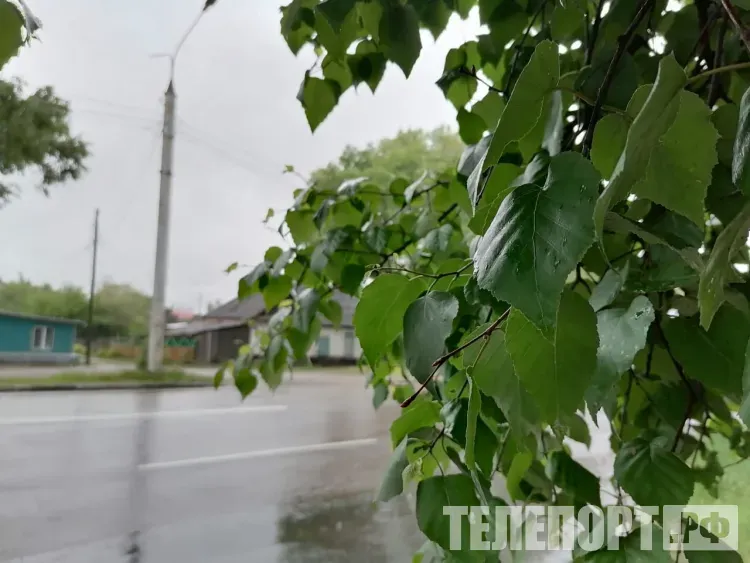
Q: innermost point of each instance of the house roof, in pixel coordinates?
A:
(199, 325)
(41, 318)
(236, 313)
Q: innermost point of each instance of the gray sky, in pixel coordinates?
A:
(239, 123)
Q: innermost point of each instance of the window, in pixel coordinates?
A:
(324, 346)
(42, 338)
(349, 344)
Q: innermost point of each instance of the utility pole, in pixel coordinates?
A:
(156, 327)
(157, 323)
(90, 327)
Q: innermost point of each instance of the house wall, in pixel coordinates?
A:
(16, 337)
(335, 350)
(226, 342)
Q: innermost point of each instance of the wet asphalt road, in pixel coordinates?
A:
(279, 478)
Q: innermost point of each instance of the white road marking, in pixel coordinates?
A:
(140, 415)
(328, 446)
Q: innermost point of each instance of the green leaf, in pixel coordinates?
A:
(624, 81)
(245, 381)
(378, 318)
(351, 278)
(219, 376)
(379, 395)
(301, 226)
(470, 126)
(475, 405)
(399, 35)
(608, 288)
(610, 136)
(525, 105)
(306, 309)
(318, 96)
(427, 323)
(435, 493)
(276, 290)
(630, 549)
(433, 15)
(740, 164)
(622, 334)
(490, 108)
(719, 267)
(331, 310)
(566, 20)
(726, 118)
(715, 357)
(11, 26)
(679, 170)
(652, 122)
(653, 475)
(420, 414)
(518, 468)
(335, 11)
(300, 341)
(573, 478)
(392, 484)
(744, 410)
(537, 237)
(497, 187)
(555, 365)
(367, 64)
(493, 373)
(272, 368)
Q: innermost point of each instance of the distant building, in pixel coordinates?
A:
(220, 333)
(32, 339)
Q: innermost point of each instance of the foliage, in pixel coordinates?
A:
(407, 155)
(119, 309)
(579, 254)
(34, 131)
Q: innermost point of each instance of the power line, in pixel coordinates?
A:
(245, 159)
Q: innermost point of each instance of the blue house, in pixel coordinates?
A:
(31, 339)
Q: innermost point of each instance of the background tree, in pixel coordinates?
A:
(407, 155)
(586, 253)
(34, 132)
(120, 309)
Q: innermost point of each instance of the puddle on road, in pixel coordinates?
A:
(347, 528)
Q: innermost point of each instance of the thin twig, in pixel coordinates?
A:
(519, 46)
(622, 45)
(591, 44)
(713, 89)
(437, 364)
(734, 16)
(719, 70)
(685, 417)
(704, 428)
(474, 75)
(425, 274)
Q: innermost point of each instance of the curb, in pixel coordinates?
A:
(103, 386)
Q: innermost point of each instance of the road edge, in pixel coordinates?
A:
(103, 386)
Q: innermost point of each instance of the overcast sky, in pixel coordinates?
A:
(238, 124)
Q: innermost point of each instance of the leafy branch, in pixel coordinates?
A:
(437, 364)
(622, 45)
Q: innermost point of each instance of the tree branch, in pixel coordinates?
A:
(736, 20)
(713, 89)
(519, 46)
(473, 74)
(594, 33)
(622, 45)
(437, 364)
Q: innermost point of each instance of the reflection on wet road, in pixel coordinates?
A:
(203, 477)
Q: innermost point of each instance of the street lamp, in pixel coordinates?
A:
(157, 322)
